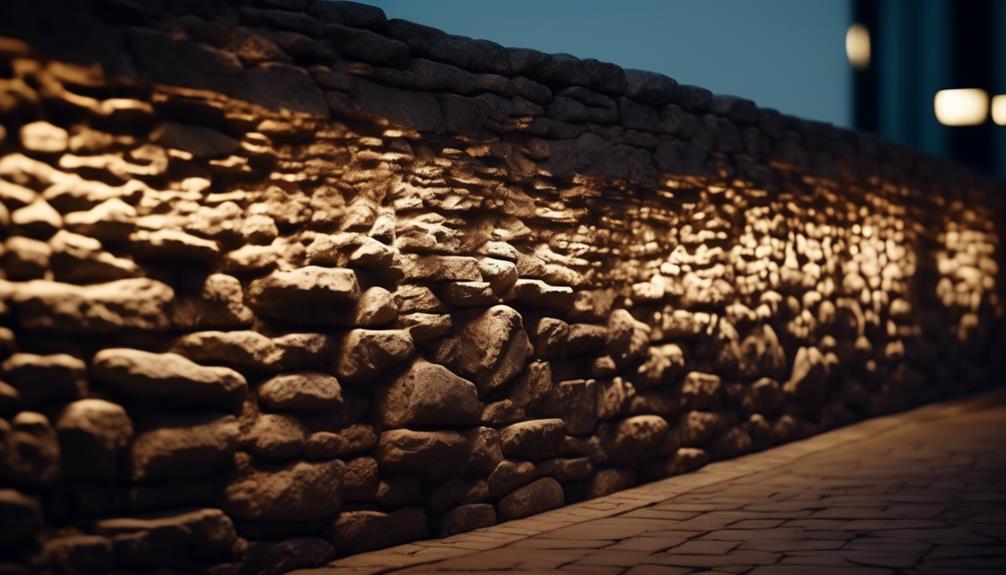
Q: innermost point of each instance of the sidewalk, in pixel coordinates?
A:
(918, 492)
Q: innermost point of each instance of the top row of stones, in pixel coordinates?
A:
(489, 57)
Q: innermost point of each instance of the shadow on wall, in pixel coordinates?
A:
(242, 335)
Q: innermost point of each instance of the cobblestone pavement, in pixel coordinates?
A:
(918, 492)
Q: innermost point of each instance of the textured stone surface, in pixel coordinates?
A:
(429, 453)
(304, 391)
(297, 491)
(251, 350)
(535, 439)
(168, 377)
(356, 531)
(182, 446)
(465, 518)
(268, 257)
(429, 395)
(276, 437)
(636, 439)
(31, 450)
(309, 295)
(129, 304)
(274, 558)
(535, 497)
(173, 539)
(44, 378)
(367, 354)
(494, 347)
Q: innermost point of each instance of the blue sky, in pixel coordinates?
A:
(785, 54)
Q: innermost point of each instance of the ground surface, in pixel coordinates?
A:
(918, 492)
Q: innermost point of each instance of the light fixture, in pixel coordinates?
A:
(857, 46)
(961, 106)
(999, 109)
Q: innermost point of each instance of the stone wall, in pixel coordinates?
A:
(288, 280)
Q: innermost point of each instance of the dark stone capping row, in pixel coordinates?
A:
(146, 38)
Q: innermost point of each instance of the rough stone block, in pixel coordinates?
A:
(434, 454)
(536, 497)
(356, 531)
(129, 304)
(428, 395)
(179, 447)
(298, 491)
(168, 377)
(535, 439)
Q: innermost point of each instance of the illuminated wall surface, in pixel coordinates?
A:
(298, 281)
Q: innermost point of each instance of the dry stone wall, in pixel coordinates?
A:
(285, 280)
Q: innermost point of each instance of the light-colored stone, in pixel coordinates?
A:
(494, 349)
(247, 349)
(303, 391)
(129, 304)
(428, 395)
(169, 378)
(366, 354)
(44, 138)
(310, 294)
(535, 439)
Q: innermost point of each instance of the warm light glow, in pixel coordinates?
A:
(961, 107)
(999, 109)
(857, 46)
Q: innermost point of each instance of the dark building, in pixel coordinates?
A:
(920, 47)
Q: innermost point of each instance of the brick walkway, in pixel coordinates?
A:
(918, 492)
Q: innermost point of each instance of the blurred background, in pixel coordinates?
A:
(926, 73)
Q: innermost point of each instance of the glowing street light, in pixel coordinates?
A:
(857, 46)
(961, 106)
(999, 109)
